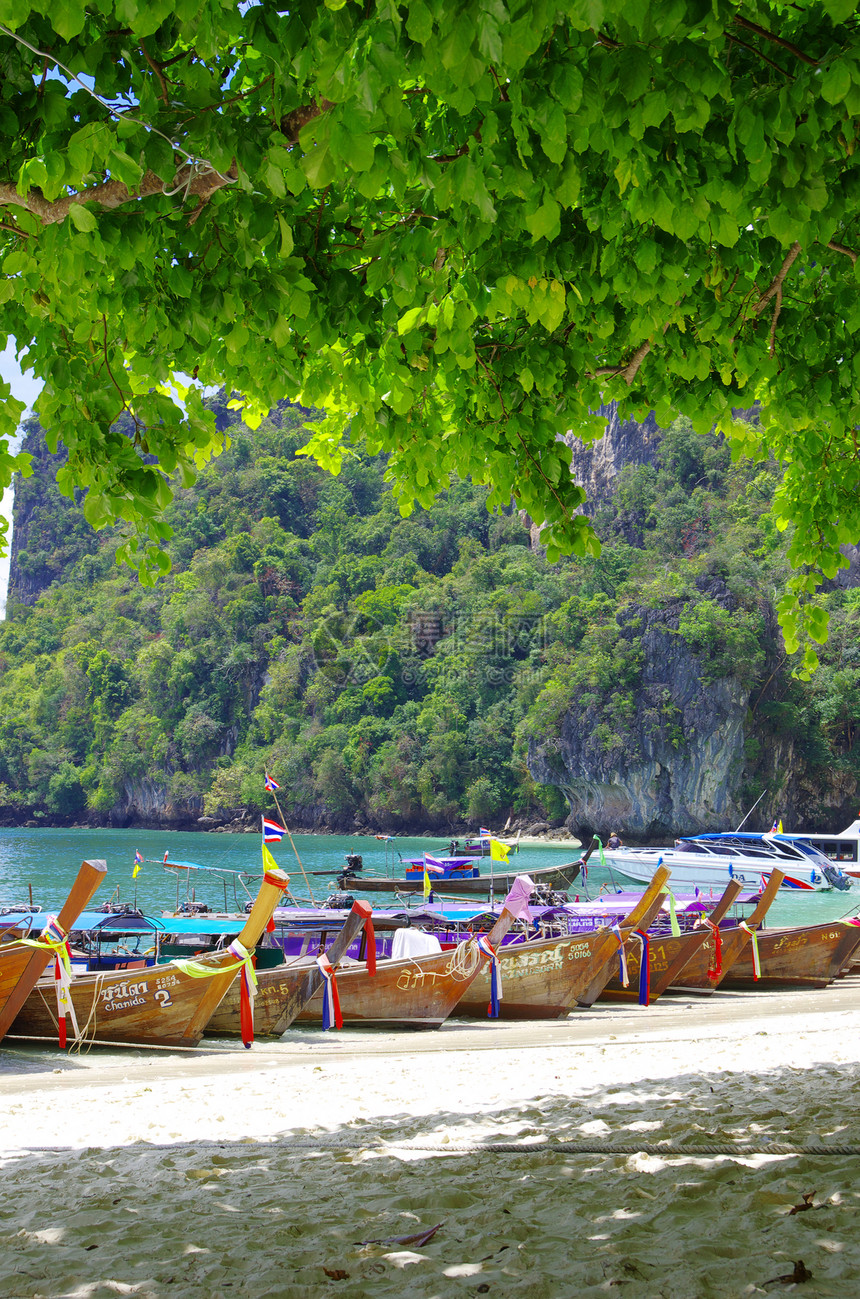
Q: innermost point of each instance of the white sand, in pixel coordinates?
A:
(217, 1174)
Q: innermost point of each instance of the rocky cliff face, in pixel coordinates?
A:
(596, 464)
(679, 765)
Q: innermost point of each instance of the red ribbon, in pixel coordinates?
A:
(365, 909)
(61, 1017)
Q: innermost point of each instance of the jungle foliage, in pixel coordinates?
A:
(387, 669)
(458, 228)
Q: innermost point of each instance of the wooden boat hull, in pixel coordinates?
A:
(556, 877)
(418, 992)
(808, 956)
(21, 967)
(668, 957)
(284, 989)
(543, 979)
(162, 1005)
(698, 974)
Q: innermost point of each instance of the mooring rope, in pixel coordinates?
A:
(672, 1149)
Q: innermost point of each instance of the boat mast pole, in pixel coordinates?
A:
(295, 849)
(753, 808)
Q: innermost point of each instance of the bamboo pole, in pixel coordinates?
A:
(295, 849)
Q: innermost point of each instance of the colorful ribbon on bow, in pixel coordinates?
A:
(55, 940)
(718, 949)
(622, 957)
(365, 909)
(247, 983)
(644, 968)
(331, 1016)
(673, 916)
(755, 956)
(247, 991)
(489, 951)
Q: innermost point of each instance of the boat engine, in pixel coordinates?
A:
(339, 902)
(544, 896)
(354, 863)
(835, 877)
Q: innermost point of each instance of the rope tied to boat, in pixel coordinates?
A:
(756, 963)
(331, 1014)
(644, 967)
(716, 970)
(487, 950)
(622, 956)
(55, 940)
(465, 959)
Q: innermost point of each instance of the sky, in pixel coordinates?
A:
(27, 389)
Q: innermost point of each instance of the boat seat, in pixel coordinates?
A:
(412, 942)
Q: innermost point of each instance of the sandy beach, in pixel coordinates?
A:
(305, 1166)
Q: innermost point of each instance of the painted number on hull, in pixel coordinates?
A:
(163, 997)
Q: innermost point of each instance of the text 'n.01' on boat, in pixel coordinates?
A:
(23, 959)
(422, 982)
(546, 978)
(724, 946)
(712, 860)
(167, 1005)
(810, 956)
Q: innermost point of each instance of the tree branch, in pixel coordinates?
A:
(629, 371)
(736, 40)
(113, 193)
(777, 40)
(156, 67)
(846, 252)
(293, 122)
(776, 283)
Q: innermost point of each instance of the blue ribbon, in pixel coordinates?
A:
(644, 968)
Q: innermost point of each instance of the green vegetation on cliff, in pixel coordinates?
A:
(385, 669)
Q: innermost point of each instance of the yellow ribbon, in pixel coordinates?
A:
(199, 971)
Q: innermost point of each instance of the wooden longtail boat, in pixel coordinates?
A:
(555, 877)
(809, 956)
(21, 966)
(668, 955)
(162, 1004)
(701, 974)
(545, 978)
(283, 990)
(416, 992)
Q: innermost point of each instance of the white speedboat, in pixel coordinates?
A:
(711, 860)
(841, 850)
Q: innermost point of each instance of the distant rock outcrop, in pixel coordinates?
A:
(595, 465)
(678, 765)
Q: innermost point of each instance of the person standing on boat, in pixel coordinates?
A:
(613, 841)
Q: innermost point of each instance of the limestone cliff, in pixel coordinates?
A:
(678, 764)
(626, 442)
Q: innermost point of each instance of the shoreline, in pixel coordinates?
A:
(207, 1172)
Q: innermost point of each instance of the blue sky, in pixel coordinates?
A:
(24, 386)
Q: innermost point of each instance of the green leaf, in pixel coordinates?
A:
(82, 218)
(836, 82)
(544, 223)
(286, 237)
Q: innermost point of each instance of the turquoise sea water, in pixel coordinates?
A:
(47, 860)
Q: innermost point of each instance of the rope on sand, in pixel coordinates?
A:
(674, 1148)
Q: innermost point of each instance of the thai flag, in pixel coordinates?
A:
(138, 860)
(773, 828)
(431, 864)
(272, 832)
(484, 833)
(271, 784)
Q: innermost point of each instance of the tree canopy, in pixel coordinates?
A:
(456, 228)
